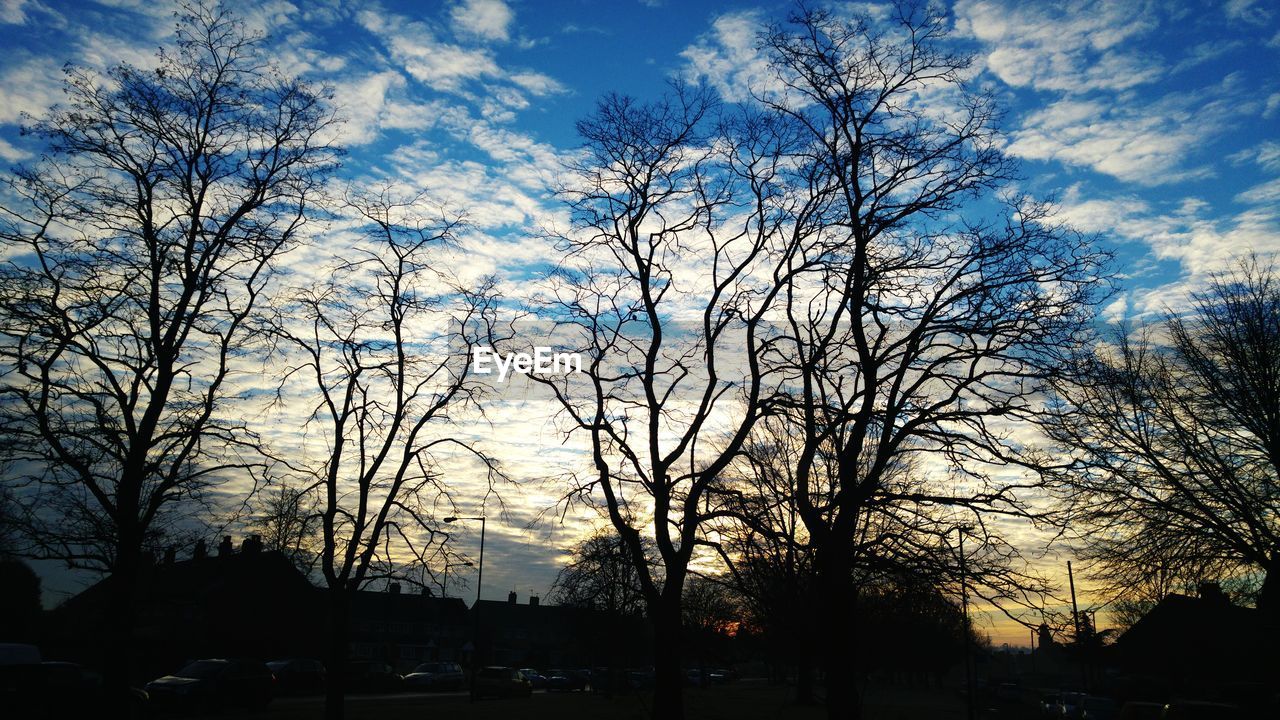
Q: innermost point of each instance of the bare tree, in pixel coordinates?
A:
(289, 523)
(668, 274)
(136, 252)
(920, 339)
(1176, 434)
(601, 576)
(765, 548)
(382, 349)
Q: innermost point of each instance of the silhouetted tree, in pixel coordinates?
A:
(9, 524)
(711, 613)
(765, 547)
(20, 607)
(669, 270)
(923, 333)
(1176, 435)
(380, 351)
(1044, 637)
(288, 521)
(136, 252)
(600, 576)
(912, 624)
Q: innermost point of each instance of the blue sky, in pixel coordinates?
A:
(1154, 124)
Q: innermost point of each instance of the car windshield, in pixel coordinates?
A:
(202, 669)
(426, 668)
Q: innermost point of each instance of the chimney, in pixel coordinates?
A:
(511, 598)
(393, 588)
(427, 592)
(251, 545)
(170, 555)
(225, 547)
(533, 601)
(1211, 592)
(201, 550)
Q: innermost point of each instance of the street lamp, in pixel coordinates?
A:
(444, 582)
(968, 630)
(475, 609)
(480, 570)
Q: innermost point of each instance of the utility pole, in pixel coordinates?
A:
(475, 609)
(1033, 650)
(1075, 611)
(1075, 617)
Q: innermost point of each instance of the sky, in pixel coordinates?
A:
(1152, 124)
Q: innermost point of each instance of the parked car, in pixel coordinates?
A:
(371, 676)
(1069, 705)
(19, 654)
(1092, 707)
(566, 680)
(215, 683)
(1050, 704)
(536, 679)
(436, 676)
(46, 689)
(640, 679)
(298, 676)
(1192, 710)
(1141, 711)
(1008, 693)
(501, 681)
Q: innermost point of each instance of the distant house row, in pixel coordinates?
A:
(255, 603)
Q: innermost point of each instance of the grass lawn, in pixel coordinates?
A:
(745, 700)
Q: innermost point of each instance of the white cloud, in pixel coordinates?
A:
(29, 87)
(12, 13)
(1249, 11)
(1204, 52)
(1272, 106)
(1073, 48)
(1267, 193)
(1190, 233)
(12, 154)
(363, 103)
(487, 19)
(1268, 155)
(1136, 144)
(1265, 155)
(537, 83)
(727, 57)
(440, 65)
(437, 64)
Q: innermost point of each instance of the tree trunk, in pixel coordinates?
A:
(668, 681)
(336, 662)
(843, 702)
(804, 679)
(1269, 595)
(838, 611)
(120, 658)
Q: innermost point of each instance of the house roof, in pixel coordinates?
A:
(408, 607)
(1191, 631)
(269, 573)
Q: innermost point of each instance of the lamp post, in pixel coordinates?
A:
(968, 630)
(475, 609)
(444, 582)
